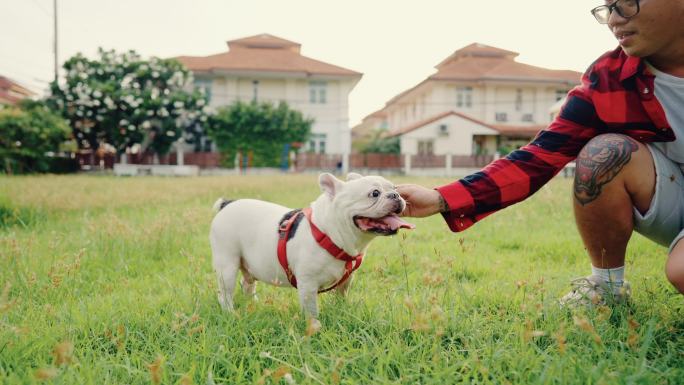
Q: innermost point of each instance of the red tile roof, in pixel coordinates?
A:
(263, 53)
(482, 62)
(264, 41)
(479, 50)
(5, 83)
(379, 114)
(477, 62)
(8, 99)
(12, 92)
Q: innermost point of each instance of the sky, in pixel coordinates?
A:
(395, 44)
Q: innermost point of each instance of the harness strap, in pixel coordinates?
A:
(351, 262)
(283, 237)
(325, 242)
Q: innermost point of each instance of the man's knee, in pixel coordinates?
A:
(609, 150)
(674, 270)
(601, 160)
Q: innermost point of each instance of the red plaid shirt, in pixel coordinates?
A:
(616, 96)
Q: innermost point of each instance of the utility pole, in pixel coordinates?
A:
(54, 11)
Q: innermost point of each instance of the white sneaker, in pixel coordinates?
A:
(593, 290)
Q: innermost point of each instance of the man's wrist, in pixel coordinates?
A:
(443, 205)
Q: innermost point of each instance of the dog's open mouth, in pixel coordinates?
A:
(386, 225)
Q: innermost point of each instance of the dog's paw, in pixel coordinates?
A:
(226, 305)
(313, 326)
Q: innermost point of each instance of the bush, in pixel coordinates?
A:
(382, 144)
(63, 165)
(258, 130)
(30, 134)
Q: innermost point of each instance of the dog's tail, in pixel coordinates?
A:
(221, 203)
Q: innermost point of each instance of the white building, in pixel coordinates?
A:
(480, 100)
(268, 68)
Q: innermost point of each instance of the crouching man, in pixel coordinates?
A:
(624, 125)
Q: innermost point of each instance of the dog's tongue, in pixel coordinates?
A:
(396, 222)
(390, 222)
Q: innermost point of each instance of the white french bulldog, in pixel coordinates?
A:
(245, 236)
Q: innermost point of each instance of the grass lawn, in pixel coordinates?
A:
(108, 280)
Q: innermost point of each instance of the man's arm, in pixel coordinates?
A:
(518, 175)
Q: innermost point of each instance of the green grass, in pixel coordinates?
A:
(108, 281)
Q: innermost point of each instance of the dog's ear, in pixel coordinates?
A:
(329, 184)
(353, 175)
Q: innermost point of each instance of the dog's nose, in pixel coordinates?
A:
(393, 195)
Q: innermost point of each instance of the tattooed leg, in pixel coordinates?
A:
(599, 162)
(614, 173)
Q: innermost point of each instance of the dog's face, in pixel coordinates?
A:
(370, 203)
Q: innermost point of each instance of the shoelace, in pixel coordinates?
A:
(608, 289)
(583, 282)
(585, 289)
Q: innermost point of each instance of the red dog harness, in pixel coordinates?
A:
(351, 263)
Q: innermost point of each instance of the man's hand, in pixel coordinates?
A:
(421, 201)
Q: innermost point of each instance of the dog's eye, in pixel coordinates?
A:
(375, 193)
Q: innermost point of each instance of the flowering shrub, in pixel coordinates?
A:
(122, 100)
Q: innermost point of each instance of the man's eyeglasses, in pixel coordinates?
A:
(624, 8)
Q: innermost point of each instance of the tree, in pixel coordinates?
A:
(382, 144)
(262, 129)
(122, 100)
(28, 134)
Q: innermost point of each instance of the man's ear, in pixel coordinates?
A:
(353, 175)
(329, 184)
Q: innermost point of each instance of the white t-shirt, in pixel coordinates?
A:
(669, 90)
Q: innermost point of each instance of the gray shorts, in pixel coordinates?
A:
(663, 223)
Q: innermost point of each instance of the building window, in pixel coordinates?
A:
(425, 147)
(527, 118)
(501, 117)
(518, 99)
(464, 97)
(255, 90)
(317, 143)
(204, 86)
(318, 93)
(443, 130)
(560, 94)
